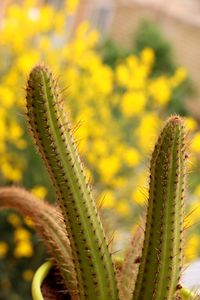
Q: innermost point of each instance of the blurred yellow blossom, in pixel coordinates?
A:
(23, 249)
(6, 96)
(194, 209)
(191, 248)
(179, 76)
(14, 219)
(190, 123)
(122, 208)
(147, 56)
(108, 199)
(122, 74)
(138, 196)
(133, 103)
(28, 221)
(28, 275)
(195, 143)
(108, 167)
(10, 172)
(131, 157)
(197, 190)
(21, 234)
(39, 191)
(147, 130)
(160, 90)
(3, 249)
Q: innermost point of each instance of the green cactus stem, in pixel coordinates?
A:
(51, 131)
(161, 261)
(49, 224)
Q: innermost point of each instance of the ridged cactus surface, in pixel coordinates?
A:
(52, 134)
(161, 261)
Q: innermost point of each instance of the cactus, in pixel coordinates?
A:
(161, 260)
(77, 240)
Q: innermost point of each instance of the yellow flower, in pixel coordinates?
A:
(147, 56)
(122, 75)
(71, 6)
(10, 172)
(122, 208)
(15, 131)
(132, 63)
(28, 221)
(100, 146)
(195, 143)
(160, 90)
(3, 249)
(149, 123)
(23, 249)
(138, 196)
(14, 219)
(190, 123)
(131, 157)
(39, 191)
(108, 199)
(133, 103)
(6, 96)
(21, 234)
(108, 167)
(179, 76)
(197, 190)
(194, 216)
(192, 247)
(27, 275)
(118, 182)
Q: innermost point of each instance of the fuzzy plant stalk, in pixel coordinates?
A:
(161, 261)
(51, 131)
(48, 222)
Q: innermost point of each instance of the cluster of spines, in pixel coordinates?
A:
(49, 224)
(161, 260)
(52, 134)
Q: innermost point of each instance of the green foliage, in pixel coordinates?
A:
(112, 53)
(149, 35)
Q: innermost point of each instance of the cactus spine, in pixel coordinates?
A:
(161, 260)
(51, 131)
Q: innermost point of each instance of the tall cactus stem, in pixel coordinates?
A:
(161, 261)
(52, 133)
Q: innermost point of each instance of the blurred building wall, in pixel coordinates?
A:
(178, 19)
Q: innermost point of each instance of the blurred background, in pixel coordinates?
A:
(124, 66)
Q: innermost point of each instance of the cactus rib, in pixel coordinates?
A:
(52, 134)
(161, 260)
(49, 224)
